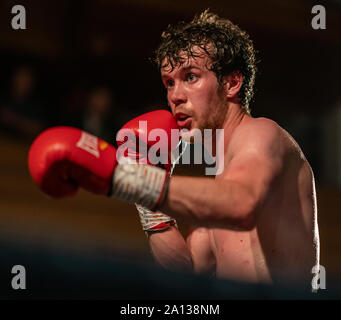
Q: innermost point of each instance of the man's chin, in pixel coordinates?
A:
(191, 136)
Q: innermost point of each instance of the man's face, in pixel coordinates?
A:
(194, 95)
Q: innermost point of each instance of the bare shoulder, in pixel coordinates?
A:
(262, 127)
(258, 134)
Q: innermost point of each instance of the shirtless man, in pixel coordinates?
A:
(257, 220)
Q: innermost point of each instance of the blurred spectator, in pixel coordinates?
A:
(20, 112)
(73, 104)
(98, 116)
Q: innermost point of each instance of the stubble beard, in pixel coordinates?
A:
(212, 119)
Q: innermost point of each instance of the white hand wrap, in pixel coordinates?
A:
(142, 184)
(154, 221)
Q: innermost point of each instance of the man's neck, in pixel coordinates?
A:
(234, 116)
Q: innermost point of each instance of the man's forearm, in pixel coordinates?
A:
(209, 203)
(170, 250)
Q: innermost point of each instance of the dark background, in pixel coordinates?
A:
(87, 64)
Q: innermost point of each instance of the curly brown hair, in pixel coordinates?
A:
(228, 47)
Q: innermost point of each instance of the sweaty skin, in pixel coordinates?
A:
(255, 222)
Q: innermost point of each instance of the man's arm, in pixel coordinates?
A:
(172, 252)
(247, 183)
(203, 257)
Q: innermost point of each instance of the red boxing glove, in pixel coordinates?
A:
(62, 159)
(148, 139)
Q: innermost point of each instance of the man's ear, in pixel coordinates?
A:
(232, 84)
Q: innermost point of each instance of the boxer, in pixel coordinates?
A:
(257, 220)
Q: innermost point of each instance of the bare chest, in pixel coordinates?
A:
(232, 243)
(239, 255)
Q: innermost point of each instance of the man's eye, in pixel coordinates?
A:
(191, 76)
(169, 83)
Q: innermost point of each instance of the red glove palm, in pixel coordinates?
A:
(62, 159)
(152, 131)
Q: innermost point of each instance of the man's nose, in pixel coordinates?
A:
(177, 96)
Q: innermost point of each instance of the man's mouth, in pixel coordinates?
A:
(183, 120)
